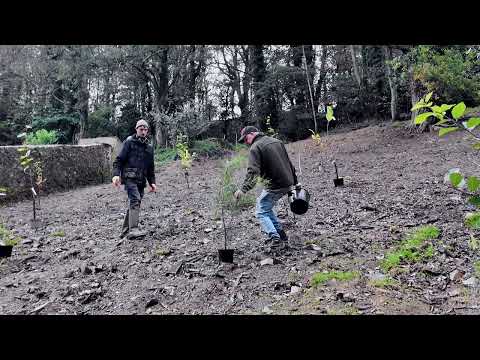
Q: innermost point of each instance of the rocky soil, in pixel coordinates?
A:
(75, 263)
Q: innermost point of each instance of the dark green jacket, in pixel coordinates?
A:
(269, 159)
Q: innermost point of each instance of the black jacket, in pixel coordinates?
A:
(269, 159)
(135, 161)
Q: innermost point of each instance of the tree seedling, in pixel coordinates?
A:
(450, 119)
(185, 156)
(7, 241)
(26, 161)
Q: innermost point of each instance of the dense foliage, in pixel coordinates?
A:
(101, 90)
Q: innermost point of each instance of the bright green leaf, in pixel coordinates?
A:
(473, 183)
(473, 122)
(458, 110)
(443, 121)
(445, 107)
(444, 131)
(455, 179)
(422, 117)
(476, 146)
(26, 162)
(418, 105)
(329, 115)
(428, 96)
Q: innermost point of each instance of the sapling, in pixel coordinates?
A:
(225, 200)
(450, 119)
(185, 156)
(270, 131)
(26, 161)
(329, 116)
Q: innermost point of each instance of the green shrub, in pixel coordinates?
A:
(207, 147)
(164, 155)
(42, 137)
(64, 124)
(7, 238)
(472, 220)
(450, 72)
(410, 249)
(320, 278)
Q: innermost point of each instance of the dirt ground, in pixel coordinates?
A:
(75, 262)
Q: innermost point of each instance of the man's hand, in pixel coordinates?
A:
(238, 194)
(116, 181)
(153, 188)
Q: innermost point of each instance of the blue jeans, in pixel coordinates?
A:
(135, 194)
(265, 213)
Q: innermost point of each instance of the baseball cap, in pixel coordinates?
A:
(247, 130)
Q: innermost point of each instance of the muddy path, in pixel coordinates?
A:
(76, 264)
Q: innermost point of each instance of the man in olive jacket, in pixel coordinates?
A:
(134, 166)
(269, 160)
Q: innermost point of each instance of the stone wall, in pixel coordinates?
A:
(64, 167)
(113, 141)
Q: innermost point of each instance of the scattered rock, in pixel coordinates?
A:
(267, 310)
(151, 302)
(85, 269)
(376, 276)
(456, 275)
(313, 247)
(345, 297)
(69, 274)
(208, 230)
(454, 292)
(472, 282)
(267, 261)
(295, 289)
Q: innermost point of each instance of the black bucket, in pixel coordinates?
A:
(299, 201)
(6, 251)
(225, 255)
(338, 182)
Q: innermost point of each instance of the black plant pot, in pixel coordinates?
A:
(6, 250)
(338, 182)
(225, 255)
(299, 200)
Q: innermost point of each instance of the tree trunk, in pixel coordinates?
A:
(391, 82)
(161, 91)
(358, 78)
(261, 95)
(318, 96)
(413, 94)
(82, 106)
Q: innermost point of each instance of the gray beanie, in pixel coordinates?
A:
(141, 123)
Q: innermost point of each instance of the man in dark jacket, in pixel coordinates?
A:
(133, 167)
(269, 160)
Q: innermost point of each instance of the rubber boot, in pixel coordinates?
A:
(125, 226)
(133, 219)
(283, 235)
